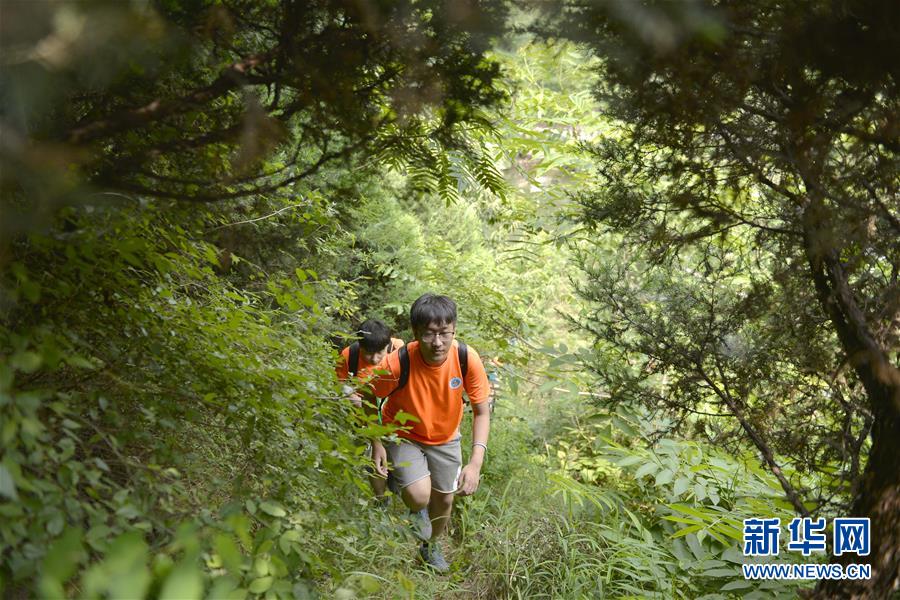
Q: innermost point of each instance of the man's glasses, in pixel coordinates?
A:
(430, 336)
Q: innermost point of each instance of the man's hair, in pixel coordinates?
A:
(431, 308)
(374, 335)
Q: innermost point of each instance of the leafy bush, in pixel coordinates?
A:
(141, 391)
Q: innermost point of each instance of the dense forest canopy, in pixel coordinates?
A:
(187, 100)
(759, 155)
(671, 228)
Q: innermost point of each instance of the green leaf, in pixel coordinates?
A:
(228, 552)
(222, 588)
(733, 555)
(722, 572)
(699, 492)
(240, 524)
(646, 469)
(7, 484)
(8, 432)
(369, 584)
(739, 584)
(55, 524)
(261, 566)
(27, 362)
(681, 485)
(184, 582)
(403, 417)
(123, 572)
(270, 508)
(80, 362)
(663, 477)
(686, 531)
(682, 520)
(696, 547)
(261, 585)
(64, 556)
(732, 532)
(629, 460)
(288, 537)
(687, 510)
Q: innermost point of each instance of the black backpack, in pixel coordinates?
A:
(353, 360)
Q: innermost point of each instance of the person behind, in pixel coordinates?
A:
(374, 341)
(427, 460)
(358, 360)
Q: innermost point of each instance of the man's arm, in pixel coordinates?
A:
(381, 384)
(379, 454)
(342, 370)
(470, 476)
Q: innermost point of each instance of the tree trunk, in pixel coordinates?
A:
(879, 499)
(879, 494)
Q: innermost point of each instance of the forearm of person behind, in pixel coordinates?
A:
(382, 383)
(370, 407)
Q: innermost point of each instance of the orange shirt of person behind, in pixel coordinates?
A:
(365, 368)
(373, 343)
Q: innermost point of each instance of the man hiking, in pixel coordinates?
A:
(426, 379)
(357, 360)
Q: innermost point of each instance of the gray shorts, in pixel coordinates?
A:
(411, 461)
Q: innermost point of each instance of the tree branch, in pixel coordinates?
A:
(214, 197)
(231, 78)
(764, 449)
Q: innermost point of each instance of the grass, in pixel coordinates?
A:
(534, 530)
(521, 536)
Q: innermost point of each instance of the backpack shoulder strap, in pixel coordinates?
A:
(403, 355)
(463, 352)
(353, 360)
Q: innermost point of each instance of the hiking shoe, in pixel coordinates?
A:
(431, 555)
(421, 524)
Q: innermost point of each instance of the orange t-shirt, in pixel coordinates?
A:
(343, 367)
(365, 367)
(433, 393)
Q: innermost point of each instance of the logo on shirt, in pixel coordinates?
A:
(455, 383)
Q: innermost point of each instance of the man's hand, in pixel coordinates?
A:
(379, 457)
(469, 479)
(352, 394)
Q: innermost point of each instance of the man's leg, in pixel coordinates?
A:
(410, 470)
(410, 467)
(439, 508)
(416, 495)
(436, 491)
(444, 463)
